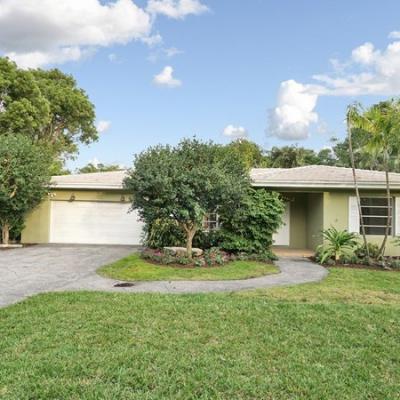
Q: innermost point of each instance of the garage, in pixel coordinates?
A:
(94, 222)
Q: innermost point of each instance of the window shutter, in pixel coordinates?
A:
(354, 215)
(396, 218)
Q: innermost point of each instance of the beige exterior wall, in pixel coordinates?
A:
(37, 223)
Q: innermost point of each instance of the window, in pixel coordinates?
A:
(375, 214)
(210, 222)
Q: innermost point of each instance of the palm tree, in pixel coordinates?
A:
(381, 123)
(352, 121)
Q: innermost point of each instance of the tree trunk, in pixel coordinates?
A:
(190, 230)
(5, 234)
(189, 241)
(353, 167)
(389, 218)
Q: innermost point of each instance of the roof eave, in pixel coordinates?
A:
(323, 185)
(85, 186)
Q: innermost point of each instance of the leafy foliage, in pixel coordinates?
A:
(249, 152)
(337, 244)
(294, 156)
(249, 227)
(46, 106)
(71, 114)
(90, 168)
(163, 232)
(185, 182)
(24, 177)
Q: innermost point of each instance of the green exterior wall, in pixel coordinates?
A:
(315, 219)
(37, 223)
(297, 231)
(310, 213)
(336, 213)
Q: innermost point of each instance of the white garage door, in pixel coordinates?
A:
(282, 236)
(89, 222)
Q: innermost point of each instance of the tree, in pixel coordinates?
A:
(186, 182)
(352, 121)
(380, 124)
(23, 107)
(24, 178)
(92, 167)
(249, 152)
(47, 107)
(71, 114)
(291, 157)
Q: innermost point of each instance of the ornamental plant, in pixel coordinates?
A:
(249, 227)
(24, 179)
(184, 183)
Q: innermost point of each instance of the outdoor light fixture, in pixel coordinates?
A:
(122, 199)
(72, 198)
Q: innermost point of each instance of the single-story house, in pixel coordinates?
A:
(93, 208)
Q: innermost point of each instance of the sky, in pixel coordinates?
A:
(276, 72)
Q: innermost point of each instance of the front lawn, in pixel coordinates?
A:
(345, 285)
(134, 268)
(328, 340)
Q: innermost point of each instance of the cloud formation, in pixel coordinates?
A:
(103, 126)
(369, 71)
(35, 33)
(235, 132)
(176, 9)
(165, 78)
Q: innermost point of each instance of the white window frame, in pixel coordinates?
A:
(207, 221)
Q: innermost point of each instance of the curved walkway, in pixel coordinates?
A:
(293, 272)
(37, 269)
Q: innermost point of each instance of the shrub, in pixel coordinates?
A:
(250, 226)
(361, 251)
(210, 257)
(163, 233)
(337, 244)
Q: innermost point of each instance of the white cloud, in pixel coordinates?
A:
(103, 126)
(172, 51)
(235, 132)
(165, 78)
(294, 113)
(153, 40)
(365, 54)
(394, 35)
(369, 71)
(177, 9)
(94, 161)
(39, 32)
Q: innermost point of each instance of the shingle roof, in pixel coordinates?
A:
(96, 180)
(321, 176)
(312, 176)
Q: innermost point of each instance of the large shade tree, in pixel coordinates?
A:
(186, 182)
(24, 178)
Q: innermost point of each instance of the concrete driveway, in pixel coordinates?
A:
(31, 270)
(35, 269)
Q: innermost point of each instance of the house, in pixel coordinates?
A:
(93, 208)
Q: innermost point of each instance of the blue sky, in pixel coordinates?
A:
(233, 59)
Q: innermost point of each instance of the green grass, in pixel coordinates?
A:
(345, 285)
(299, 344)
(134, 268)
